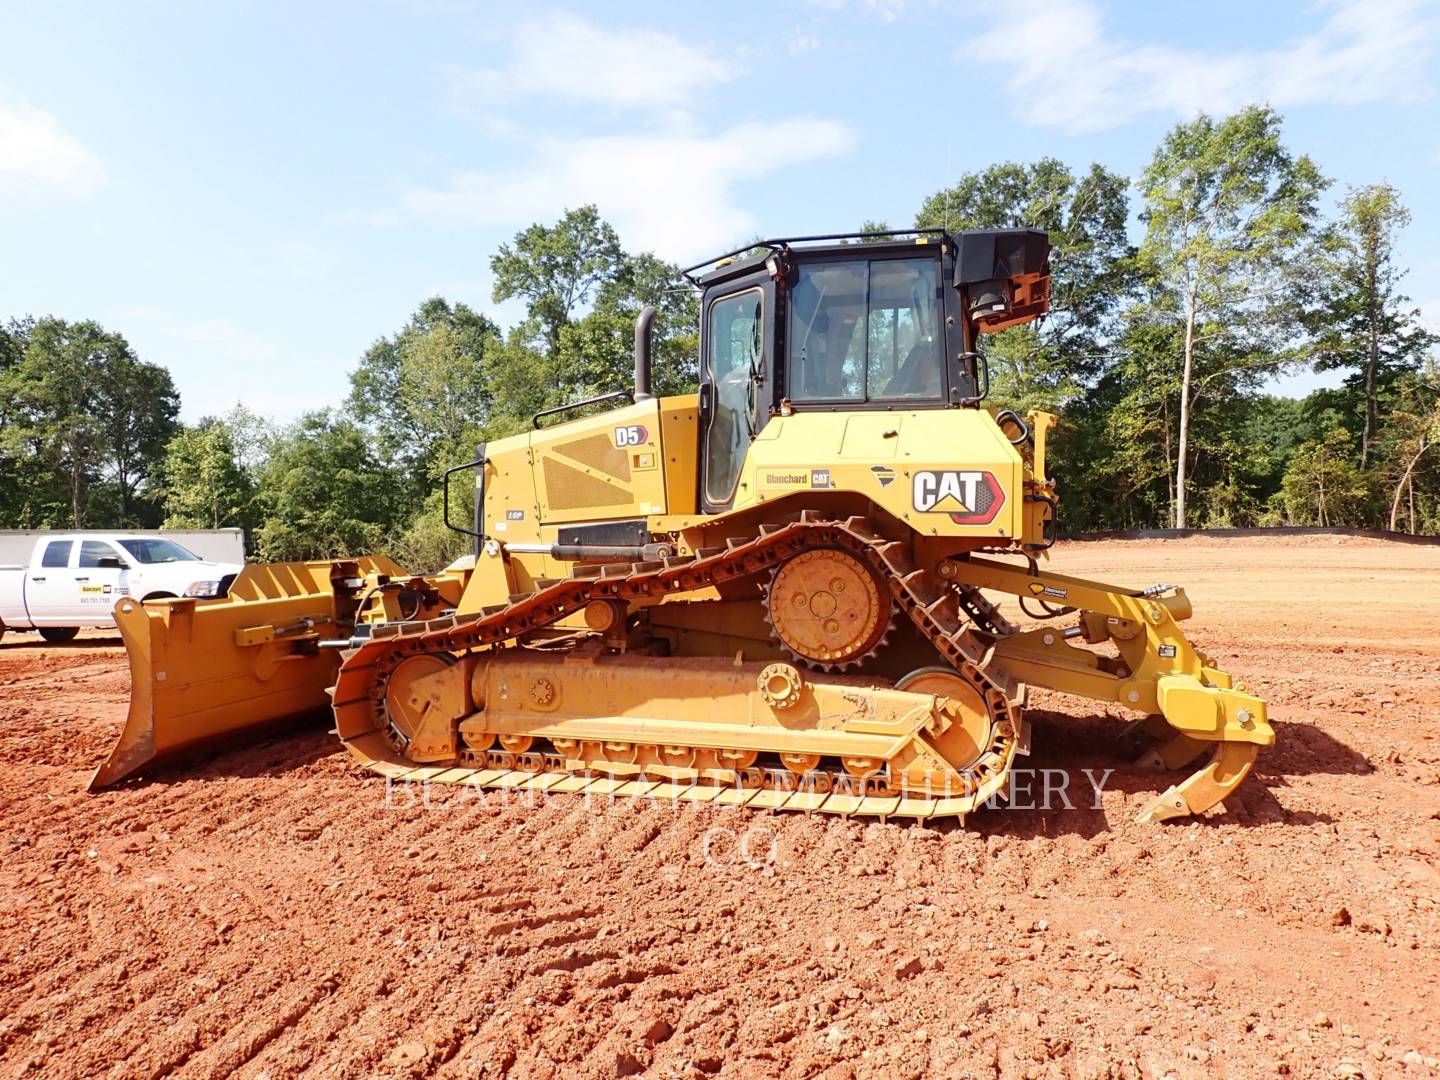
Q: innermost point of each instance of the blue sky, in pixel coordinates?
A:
(252, 193)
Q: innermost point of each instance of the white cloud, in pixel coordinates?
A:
(1070, 72)
(216, 364)
(672, 193)
(801, 42)
(567, 57)
(36, 150)
(377, 219)
(885, 10)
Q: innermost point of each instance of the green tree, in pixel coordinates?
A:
(14, 461)
(1271, 429)
(1323, 485)
(1227, 209)
(251, 436)
(205, 486)
(13, 337)
(138, 409)
(51, 395)
(425, 392)
(429, 395)
(597, 351)
(870, 225)
(523, 381)
(583, 293)
(82, 408)
(1409, 450)
(556, 269)
(425, 544)
(1362, 322)
(1113, 446)
(323, 492)
(1046, 365)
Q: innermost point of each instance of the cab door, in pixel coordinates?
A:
(739, 323)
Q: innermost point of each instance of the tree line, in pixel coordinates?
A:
(1161, 341)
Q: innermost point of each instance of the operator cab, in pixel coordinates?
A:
(883, 324)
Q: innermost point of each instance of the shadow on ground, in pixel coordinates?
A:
(17, 640)
(246, 755)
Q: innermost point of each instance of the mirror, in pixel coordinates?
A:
(112, 562)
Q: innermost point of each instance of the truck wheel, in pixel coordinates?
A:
(157, 596)
(58, 635)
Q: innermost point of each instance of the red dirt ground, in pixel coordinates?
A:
(267, 912)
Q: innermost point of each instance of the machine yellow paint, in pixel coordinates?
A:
(825, 642)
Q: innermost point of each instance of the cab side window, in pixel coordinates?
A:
(866, 331)
(827, 342)
(57, 553)
(904, 347)
(92, 551)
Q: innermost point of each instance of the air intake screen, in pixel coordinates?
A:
(599, 453)
(571, 489)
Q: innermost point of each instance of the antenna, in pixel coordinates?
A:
(945, 187)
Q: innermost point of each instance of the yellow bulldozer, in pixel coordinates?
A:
(779, 591)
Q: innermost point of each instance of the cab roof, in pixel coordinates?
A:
(752, 256)
(979, 254)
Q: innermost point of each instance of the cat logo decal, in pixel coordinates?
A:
(969, 496)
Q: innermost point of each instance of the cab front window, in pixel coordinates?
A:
(867, 330)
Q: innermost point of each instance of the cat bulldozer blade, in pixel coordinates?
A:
(779, 591)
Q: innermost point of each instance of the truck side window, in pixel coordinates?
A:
(57, 553)
(92, 551)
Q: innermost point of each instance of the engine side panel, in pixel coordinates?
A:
(944, 472)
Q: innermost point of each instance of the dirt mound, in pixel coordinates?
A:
(272, 911)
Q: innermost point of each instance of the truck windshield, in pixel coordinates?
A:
(155, 550)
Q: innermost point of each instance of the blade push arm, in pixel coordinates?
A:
(1158, 672)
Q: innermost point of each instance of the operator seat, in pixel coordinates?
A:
(919, 373)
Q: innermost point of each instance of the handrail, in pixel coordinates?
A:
(628, 395)
(478, 463)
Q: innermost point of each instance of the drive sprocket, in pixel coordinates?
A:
(828, 609)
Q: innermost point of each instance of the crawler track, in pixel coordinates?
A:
(947, 617)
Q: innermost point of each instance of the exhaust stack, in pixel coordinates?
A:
(643, 326)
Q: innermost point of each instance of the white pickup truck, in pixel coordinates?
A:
(74, 581)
